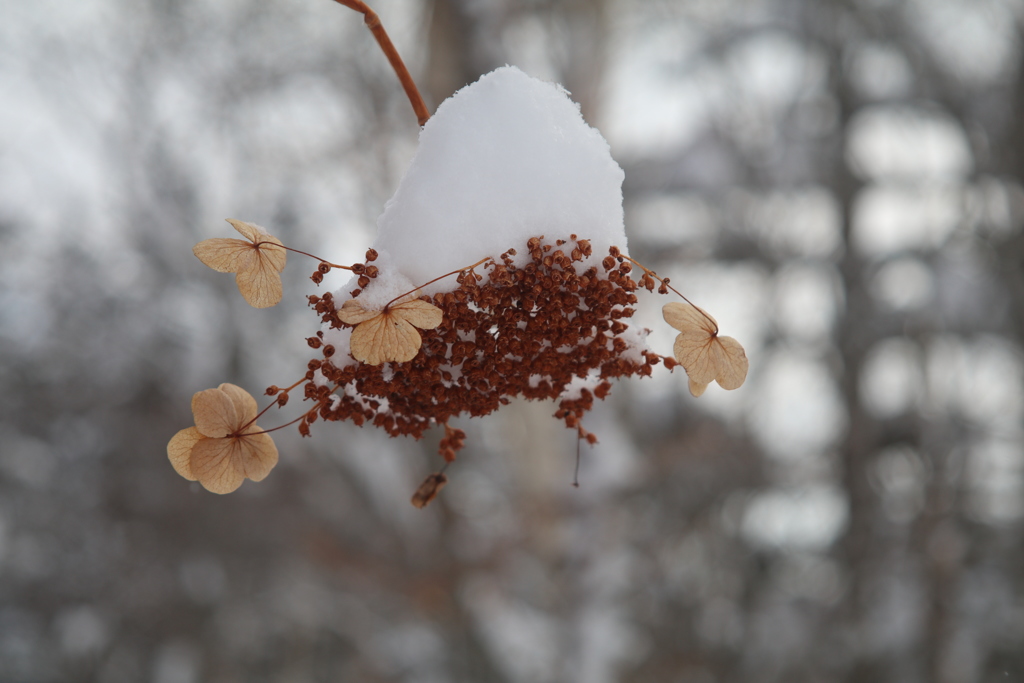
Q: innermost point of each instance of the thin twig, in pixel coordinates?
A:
(440, 277)
(274, 403)
(305, 253)
(576, 473)
(377, 29)
(668, 286)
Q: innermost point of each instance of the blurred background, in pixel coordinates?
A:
(837, 181)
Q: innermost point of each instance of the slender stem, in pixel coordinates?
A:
(681, 295)
(300, 417)
(321, 260)
(377, 29)
(439, 277)
(286, 424)
(274, 403)
(298, 251)
(576, 473)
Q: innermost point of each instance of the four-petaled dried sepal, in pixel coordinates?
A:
(257, 262)
(429, 489)
(388, 335)
(704, 355)
(225, 446)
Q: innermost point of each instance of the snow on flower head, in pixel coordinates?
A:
(499, 271)
(504, 159)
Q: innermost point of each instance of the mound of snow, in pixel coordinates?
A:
(503, 160)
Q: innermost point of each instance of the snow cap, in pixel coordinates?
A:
(504, 159)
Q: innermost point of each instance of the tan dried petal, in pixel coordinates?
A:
(732, 363)
(685, 317)
(179, 451)
(259, 455)
(353, 313)
(422, 314)
(257, 262)
(704, 355)
(273, 253)
(390, 335)
(214, 413)
(245, 404)
(225, 254)
(221, 465)
(429, 489)
(260, 285)
(384, 339)
(217, 464)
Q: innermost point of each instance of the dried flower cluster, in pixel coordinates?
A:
(506, 332)
(550, 329)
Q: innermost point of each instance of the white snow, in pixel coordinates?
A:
(574, 390)
(636, 343)
(503, 160)
(341, 341)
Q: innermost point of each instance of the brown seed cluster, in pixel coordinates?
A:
(509, 331)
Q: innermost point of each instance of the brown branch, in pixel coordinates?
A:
(377, 29)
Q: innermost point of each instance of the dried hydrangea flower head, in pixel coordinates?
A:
(543, 331)
(500, 271)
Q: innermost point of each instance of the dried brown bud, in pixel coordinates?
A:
(429, 489)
